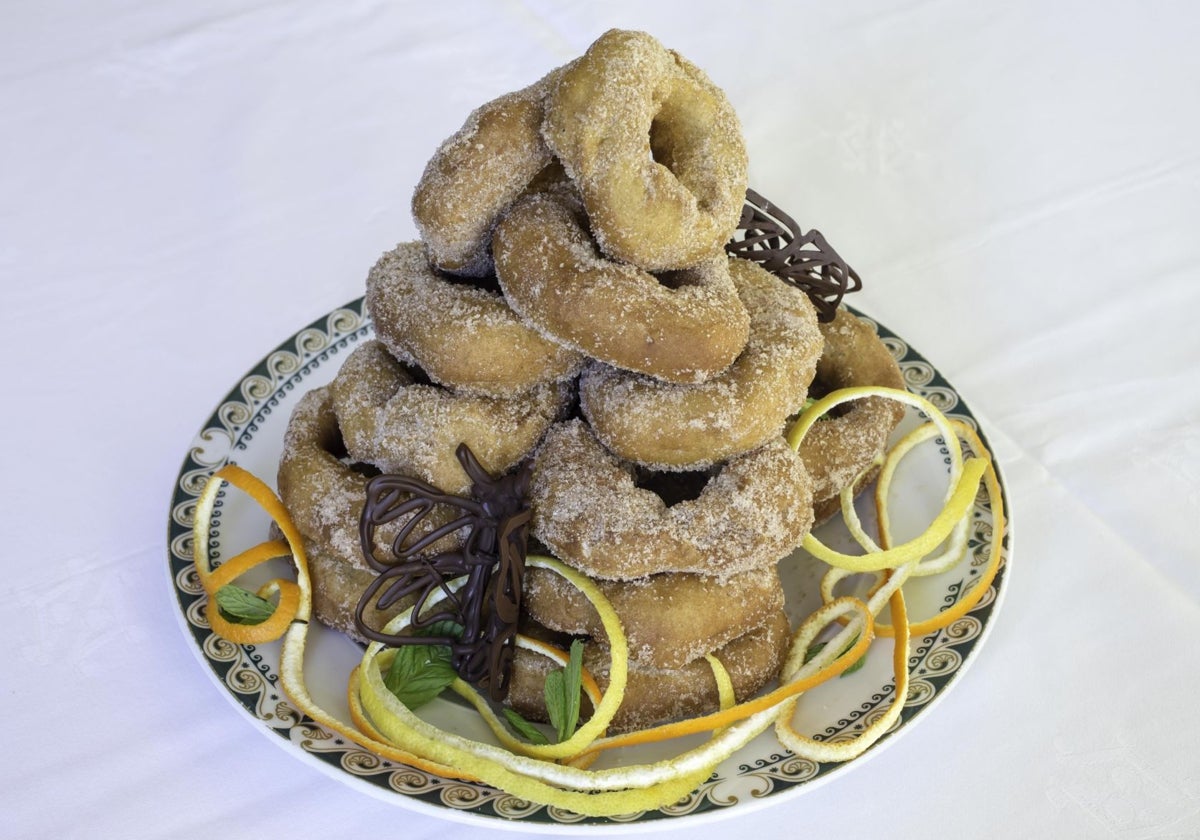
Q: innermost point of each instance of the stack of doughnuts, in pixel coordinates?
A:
(571, 305)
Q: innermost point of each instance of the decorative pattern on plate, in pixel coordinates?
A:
(249, 422)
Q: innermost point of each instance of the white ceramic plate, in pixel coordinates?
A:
(247, 428)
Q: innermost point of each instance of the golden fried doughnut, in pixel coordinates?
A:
(669, 619)
(672, 426)
(837, 449)
(462, 335)
(405, 427)
(324, 497)
(588, 510)
(654, 147)
(656, 695)
(476, 174)
(683, 327)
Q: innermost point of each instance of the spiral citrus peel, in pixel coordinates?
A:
(558, 774)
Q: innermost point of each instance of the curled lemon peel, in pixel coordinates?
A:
(965, 481)
(956, 548)
(943, 524)
(726, 699)
(995, 494)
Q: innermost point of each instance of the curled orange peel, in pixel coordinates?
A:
(288, 607)
(295, 634)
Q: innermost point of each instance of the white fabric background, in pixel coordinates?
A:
(183, 185)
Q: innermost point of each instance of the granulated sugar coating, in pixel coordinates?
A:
(677, 427)
(412, 429)
(669, 619)
(461, 335)
(555, 278)
(655, 149)
(589, 512)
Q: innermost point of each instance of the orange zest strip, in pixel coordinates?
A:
(725, 717)
(806, 747)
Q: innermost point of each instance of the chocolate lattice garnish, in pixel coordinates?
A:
(491, 558)
(805, 260)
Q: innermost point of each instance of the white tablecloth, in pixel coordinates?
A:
(183, 185)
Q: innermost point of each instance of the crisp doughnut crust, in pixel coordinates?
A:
(413, 429)
(554, 277)
(324, 497)
(461, 335)
(654, 695)
(589, 512)
(669, 619)
(476, 174)
(841, 446)
(654, 147)
(668, 426)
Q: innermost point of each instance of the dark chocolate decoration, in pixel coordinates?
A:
(805, 260)
(492, 558)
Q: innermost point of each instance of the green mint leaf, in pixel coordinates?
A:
(562, 693)
(242, 607)
(819, 646)
(556, 703)
(446, 627)
(524, 728)
(419, 673)
(862, 660)
(811, 653)
(573, 687)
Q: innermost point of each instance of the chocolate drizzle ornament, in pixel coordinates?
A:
(774, 240)
(491, 559)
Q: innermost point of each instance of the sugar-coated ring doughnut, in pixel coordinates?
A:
(476, 174)
(409, 428)
(588, 510)
(670, 426)
(462, 335)
(669, 619)
(683, 327)
(840, 447)
(658, 695)
(654, 147)
(324, 496)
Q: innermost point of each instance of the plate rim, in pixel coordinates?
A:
(305, 346)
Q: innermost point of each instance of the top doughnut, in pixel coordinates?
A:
(654, 147)
(476, 174)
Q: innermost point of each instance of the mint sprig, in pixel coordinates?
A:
(419, 673)
(819, 646)
(240, 606)
(524, 728)
(562, 691)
